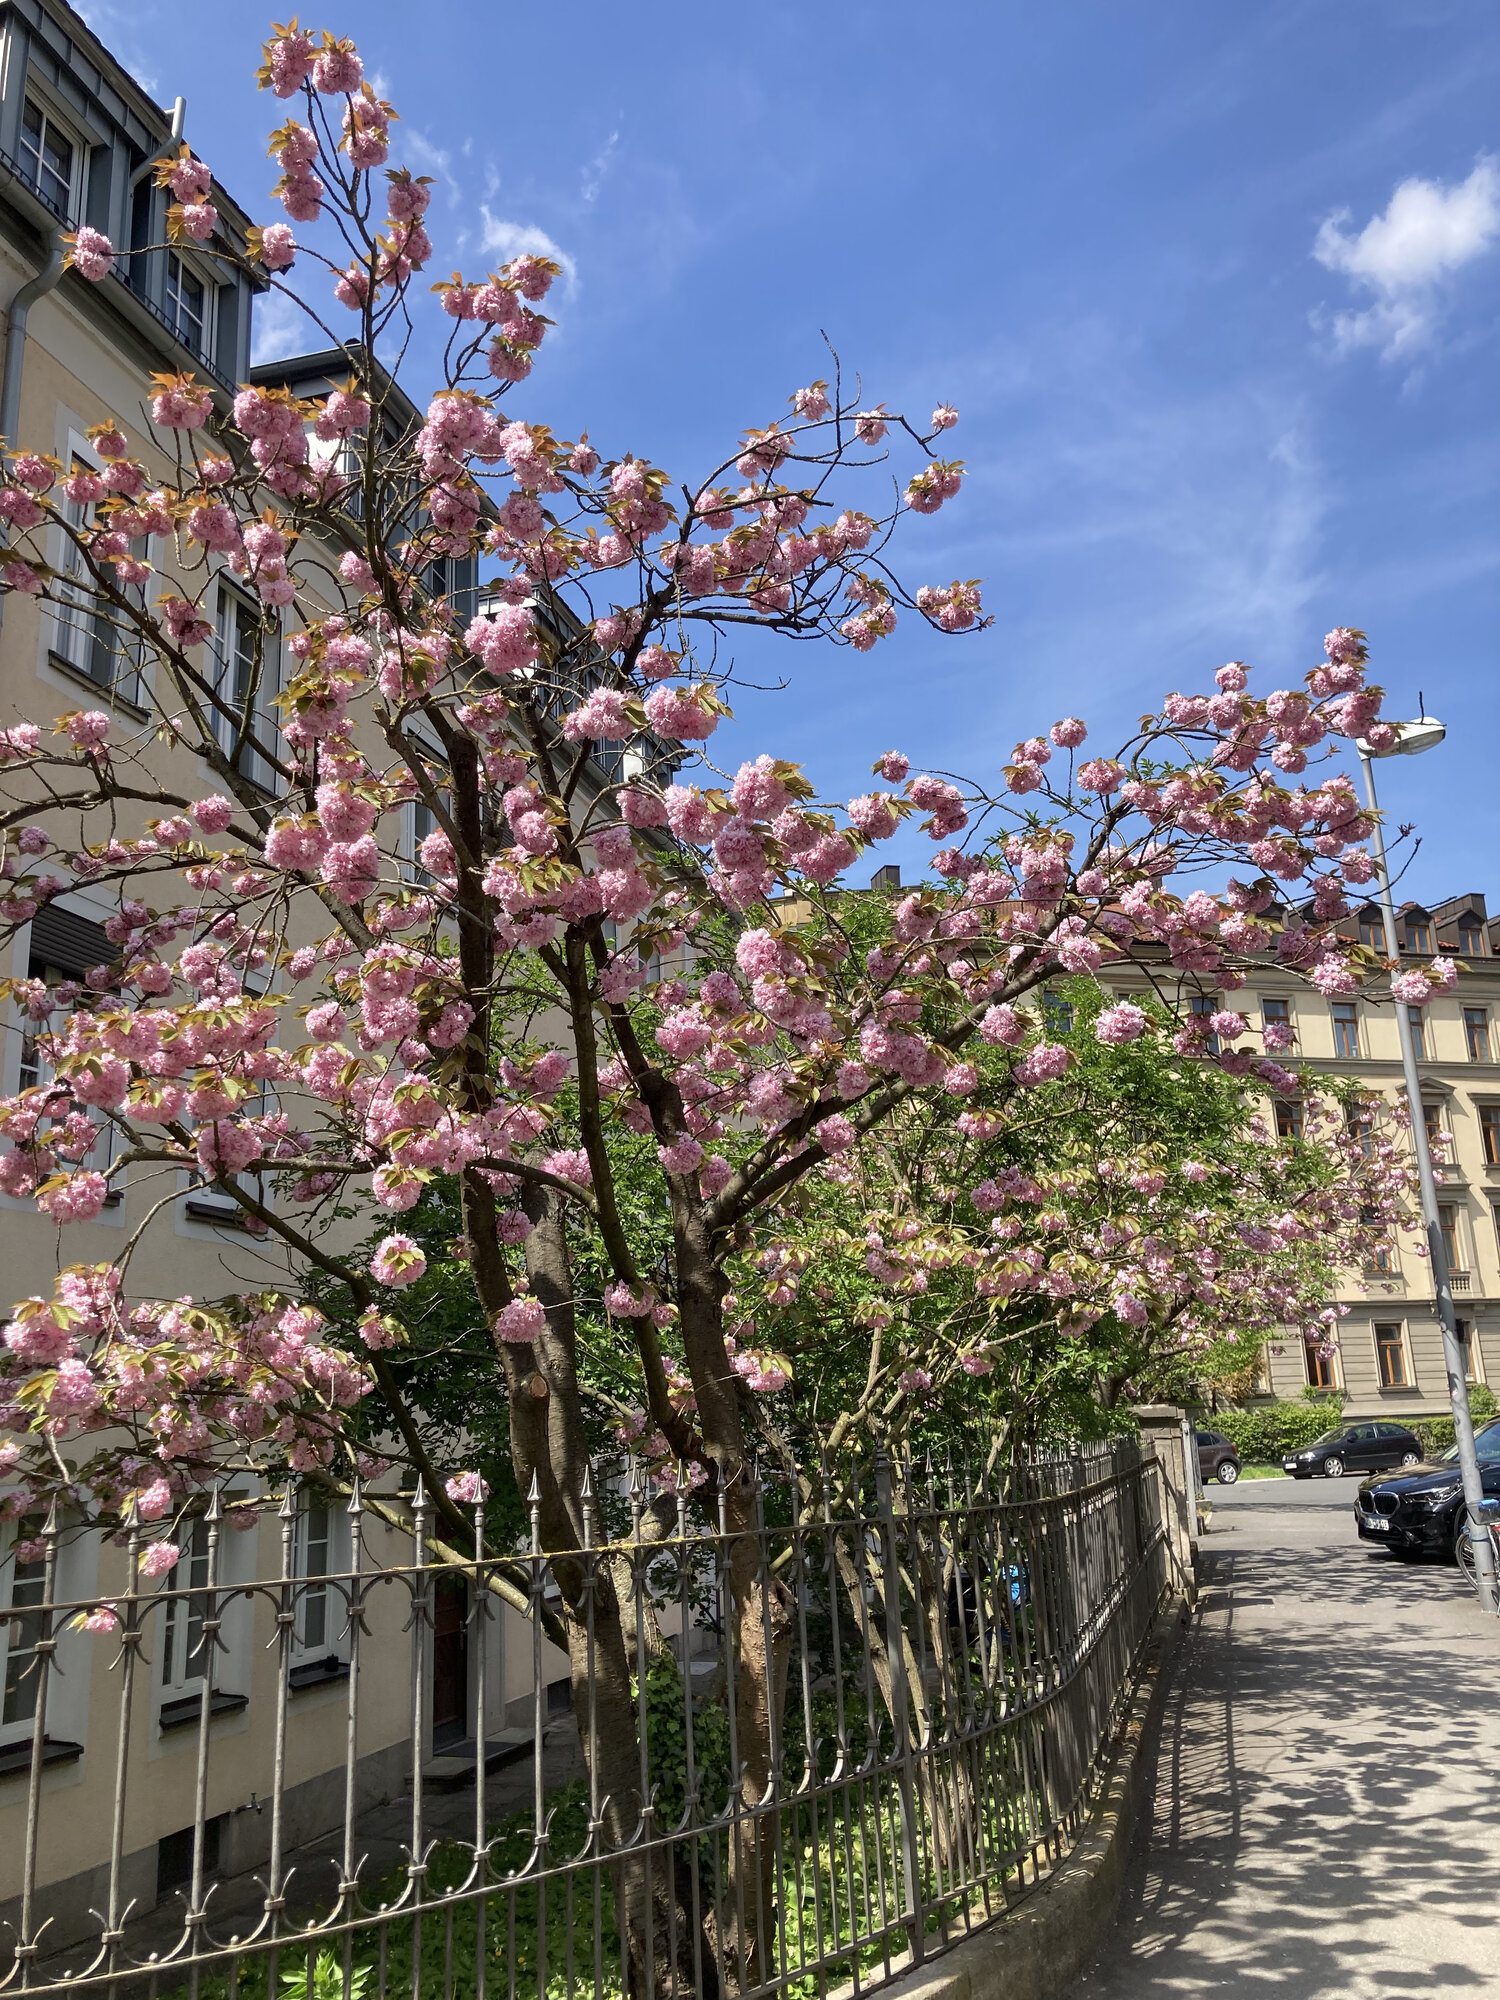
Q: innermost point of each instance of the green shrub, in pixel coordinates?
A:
(1264, 1436)
(1436, 1433)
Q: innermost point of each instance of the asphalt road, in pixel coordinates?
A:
(1335, 1493)
(1326, 1820)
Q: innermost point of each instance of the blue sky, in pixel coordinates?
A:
(1215, 290)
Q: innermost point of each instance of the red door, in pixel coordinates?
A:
(450, 1663)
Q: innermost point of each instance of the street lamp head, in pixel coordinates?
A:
(1410, 739)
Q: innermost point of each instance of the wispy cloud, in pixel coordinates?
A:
(1428, 231)
(505, 240)
(281, 328)
(430, 159)
(115, 27)
(597, 170)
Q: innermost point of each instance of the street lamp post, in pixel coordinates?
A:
(1411, 739)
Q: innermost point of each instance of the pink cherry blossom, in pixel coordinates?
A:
(397, 1262)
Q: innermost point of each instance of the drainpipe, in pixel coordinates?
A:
(37, 288)
(15, 346)
(15, 336)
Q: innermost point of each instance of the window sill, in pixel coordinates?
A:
(189, 1708)
(62, 665)
(317, 1673)
(224, 1215)
(15, 1758)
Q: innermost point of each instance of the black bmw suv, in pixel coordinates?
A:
(1419, 1512)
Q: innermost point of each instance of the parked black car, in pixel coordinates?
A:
(1217, 1458)
(1420, 1512)
(1355, 1448)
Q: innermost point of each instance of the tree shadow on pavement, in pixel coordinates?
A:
(1326, 1818)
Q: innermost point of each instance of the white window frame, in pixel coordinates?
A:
(178, 1673)
(227, 659)
(180, 1668)
(318, 1632)
(18, 1727)
(70, 627)
(189, 267)
(112, 1140)
(77, 179)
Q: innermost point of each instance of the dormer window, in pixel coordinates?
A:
(1418, 933)
(1372, 931)
(50, 159)
(187, 305)
(1470, 936)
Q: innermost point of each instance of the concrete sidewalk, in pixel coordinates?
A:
(1327, 1804)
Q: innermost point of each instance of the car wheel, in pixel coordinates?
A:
(1333, 1468)
(1227, 1472)
(1411, 1458)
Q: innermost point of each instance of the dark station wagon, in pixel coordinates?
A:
(1371, 1447)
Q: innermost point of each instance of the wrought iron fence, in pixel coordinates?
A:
(795, 1757)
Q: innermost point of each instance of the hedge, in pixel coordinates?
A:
(1264, 1436)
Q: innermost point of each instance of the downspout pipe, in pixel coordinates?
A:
(46, 280)
(15, 346)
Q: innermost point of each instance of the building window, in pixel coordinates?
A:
(49, 159)
(183, 1658)
(1452, 1244)
(1418, 934)
(64, 947)
(85, 635)
(1372, 931)
(1489, 1133)
(1471, 937)
(1432, 1119)
(27, 1583)
(1277, 1016)
(1416, 1021)
(1360, 1126)
(1390, 1357)
(187, 305)
(1202, 1006)
(1470, 1346)
(1477, 1033)
(1345, 1028)
(1322, 1369)
(246, 686)
(315, 1561)
(1288, 1118)
(1057, 1014)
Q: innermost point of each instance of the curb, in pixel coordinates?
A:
(1037, 1949)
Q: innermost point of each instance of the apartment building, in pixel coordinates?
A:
(78, 142)
(1389, 1361)
(1389, 1358)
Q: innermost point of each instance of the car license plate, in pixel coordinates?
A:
(1289, 1465)
(1377, 1522)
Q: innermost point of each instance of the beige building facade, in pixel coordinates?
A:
(78, 139)
(1389, 1357)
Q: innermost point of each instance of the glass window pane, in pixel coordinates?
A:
(1477, 1033)
(21, 1677)
(1418, 1021)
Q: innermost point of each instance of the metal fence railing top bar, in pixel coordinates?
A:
(314, 1756)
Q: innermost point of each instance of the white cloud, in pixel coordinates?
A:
(1429, 230)
(429, 158)
(595, 173)
(282, 328)
(515, 239)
